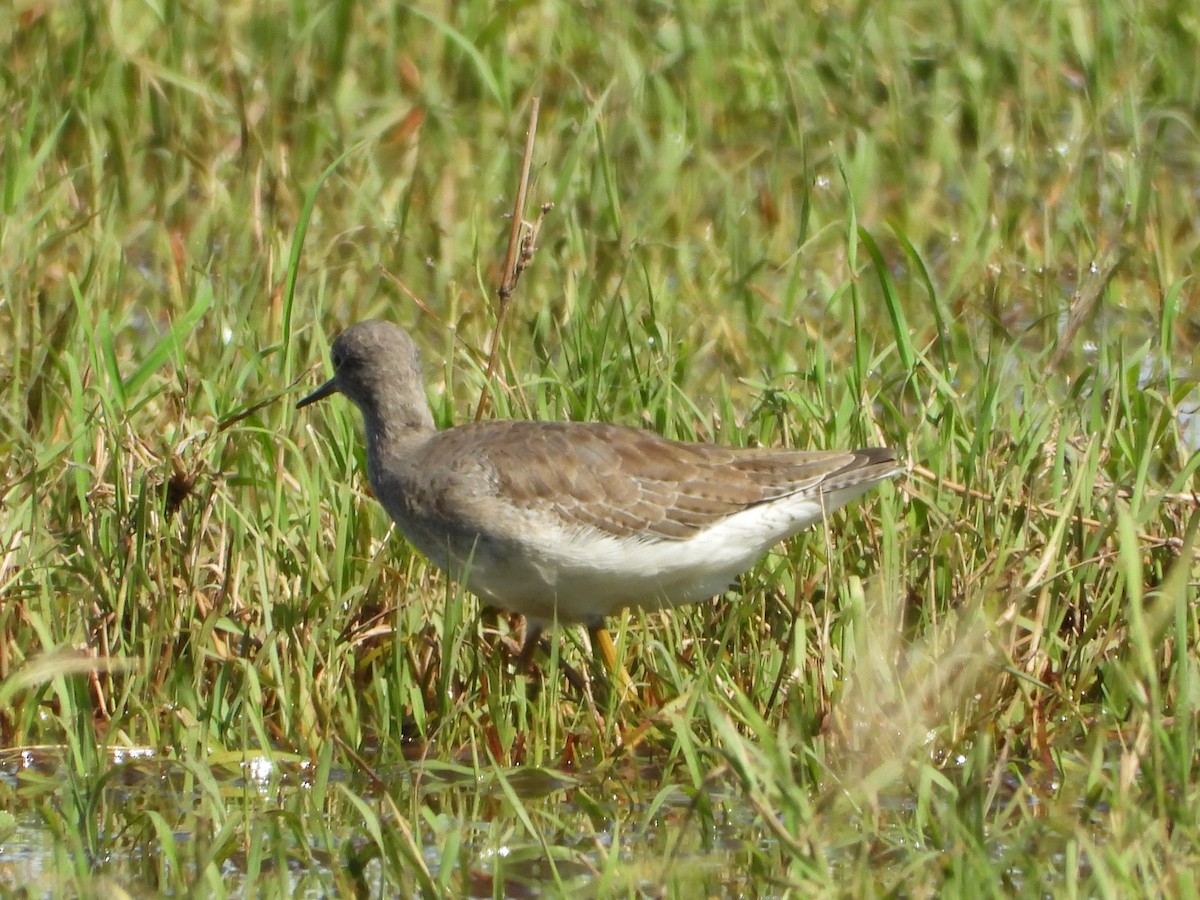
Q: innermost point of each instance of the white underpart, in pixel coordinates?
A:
(584, 574)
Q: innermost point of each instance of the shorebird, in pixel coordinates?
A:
(570, 522)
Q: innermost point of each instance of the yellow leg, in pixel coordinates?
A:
(602, 646)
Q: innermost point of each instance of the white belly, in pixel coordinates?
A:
(580, 575)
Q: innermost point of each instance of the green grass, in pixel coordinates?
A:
(863, 224)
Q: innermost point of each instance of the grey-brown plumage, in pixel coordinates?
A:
(573, 521)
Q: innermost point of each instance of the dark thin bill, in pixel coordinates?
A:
(329, 387)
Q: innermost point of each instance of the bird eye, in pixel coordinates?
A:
(336, 359)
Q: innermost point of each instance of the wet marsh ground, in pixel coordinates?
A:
(965, 232)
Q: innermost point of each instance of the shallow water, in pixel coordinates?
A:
(125, 807)
(149, 824)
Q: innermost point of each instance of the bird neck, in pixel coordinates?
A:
(390, 424)
(387, 427)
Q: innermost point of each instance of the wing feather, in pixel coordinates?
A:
(634, 483)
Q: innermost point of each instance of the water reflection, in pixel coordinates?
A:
(636, 825)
